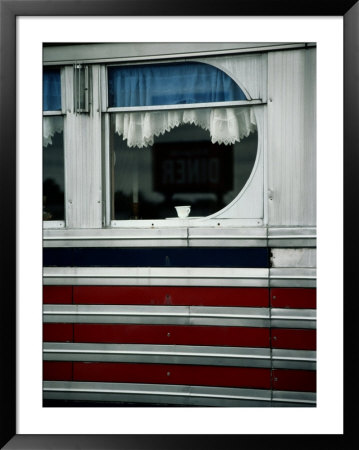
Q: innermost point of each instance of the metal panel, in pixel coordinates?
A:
(294, 339)
(293, 257)
(232, 237)
(58, 332)
(174, 374)
(156, 257)
(100, 52)
(159, 354)
(147, 276)
(293, 359)
(293, 318)
(83, 156)
(217, 236)
(285, 397)
(57, 294)
(156, 393)
(293, 298)
(175, 315)
(170, 334)
(292, 277)
(129, 237)
(174, 296)
(292, 237)
(57, 370)
(292, 137)
(294, 380)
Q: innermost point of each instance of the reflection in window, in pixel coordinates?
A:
(182, 167)
(53, 176)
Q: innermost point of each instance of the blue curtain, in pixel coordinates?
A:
(51, 90)
(170, 84)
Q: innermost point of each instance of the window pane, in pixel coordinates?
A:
(170, 84)
(53, 176)
(183, 167)
(51, 90)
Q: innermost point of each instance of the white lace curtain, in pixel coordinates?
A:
(225, 125)
(51, 125)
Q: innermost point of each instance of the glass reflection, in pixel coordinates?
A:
(53, 179)
(183, 167)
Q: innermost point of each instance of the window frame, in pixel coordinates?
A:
(58, 224)
(210, 220)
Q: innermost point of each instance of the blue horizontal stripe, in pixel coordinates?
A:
(156, 257)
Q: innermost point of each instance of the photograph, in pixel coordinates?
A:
(179, 224)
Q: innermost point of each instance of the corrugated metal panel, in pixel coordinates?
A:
(292, 137)
(83, 156)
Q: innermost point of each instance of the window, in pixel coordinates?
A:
(179, 135)
(53, 149)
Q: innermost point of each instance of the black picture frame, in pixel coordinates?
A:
(9, 10)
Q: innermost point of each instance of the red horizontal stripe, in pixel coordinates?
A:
(294, 380)
(56, 370)
(172, 374)
(172, 334)
(294, 339)
(58, 332)
(293, 298)
(57, 294)
(143, 295)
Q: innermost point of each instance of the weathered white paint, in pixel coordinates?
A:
(292, 137)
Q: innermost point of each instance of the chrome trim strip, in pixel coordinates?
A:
(293, 273)
(143, 314)
(158, 354)
(174, 394)
(180, 354)
(138, 392)
(293, 314)
(294, 397)
(92, 281)
(293, 318)
(294, 359)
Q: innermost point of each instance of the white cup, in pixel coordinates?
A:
(183, 211)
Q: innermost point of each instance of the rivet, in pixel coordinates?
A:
(168, 334)
(274, 297)
(168, 374)
(275, 338)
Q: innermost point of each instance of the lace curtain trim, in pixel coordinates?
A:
(225, 125)
(51, 125)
